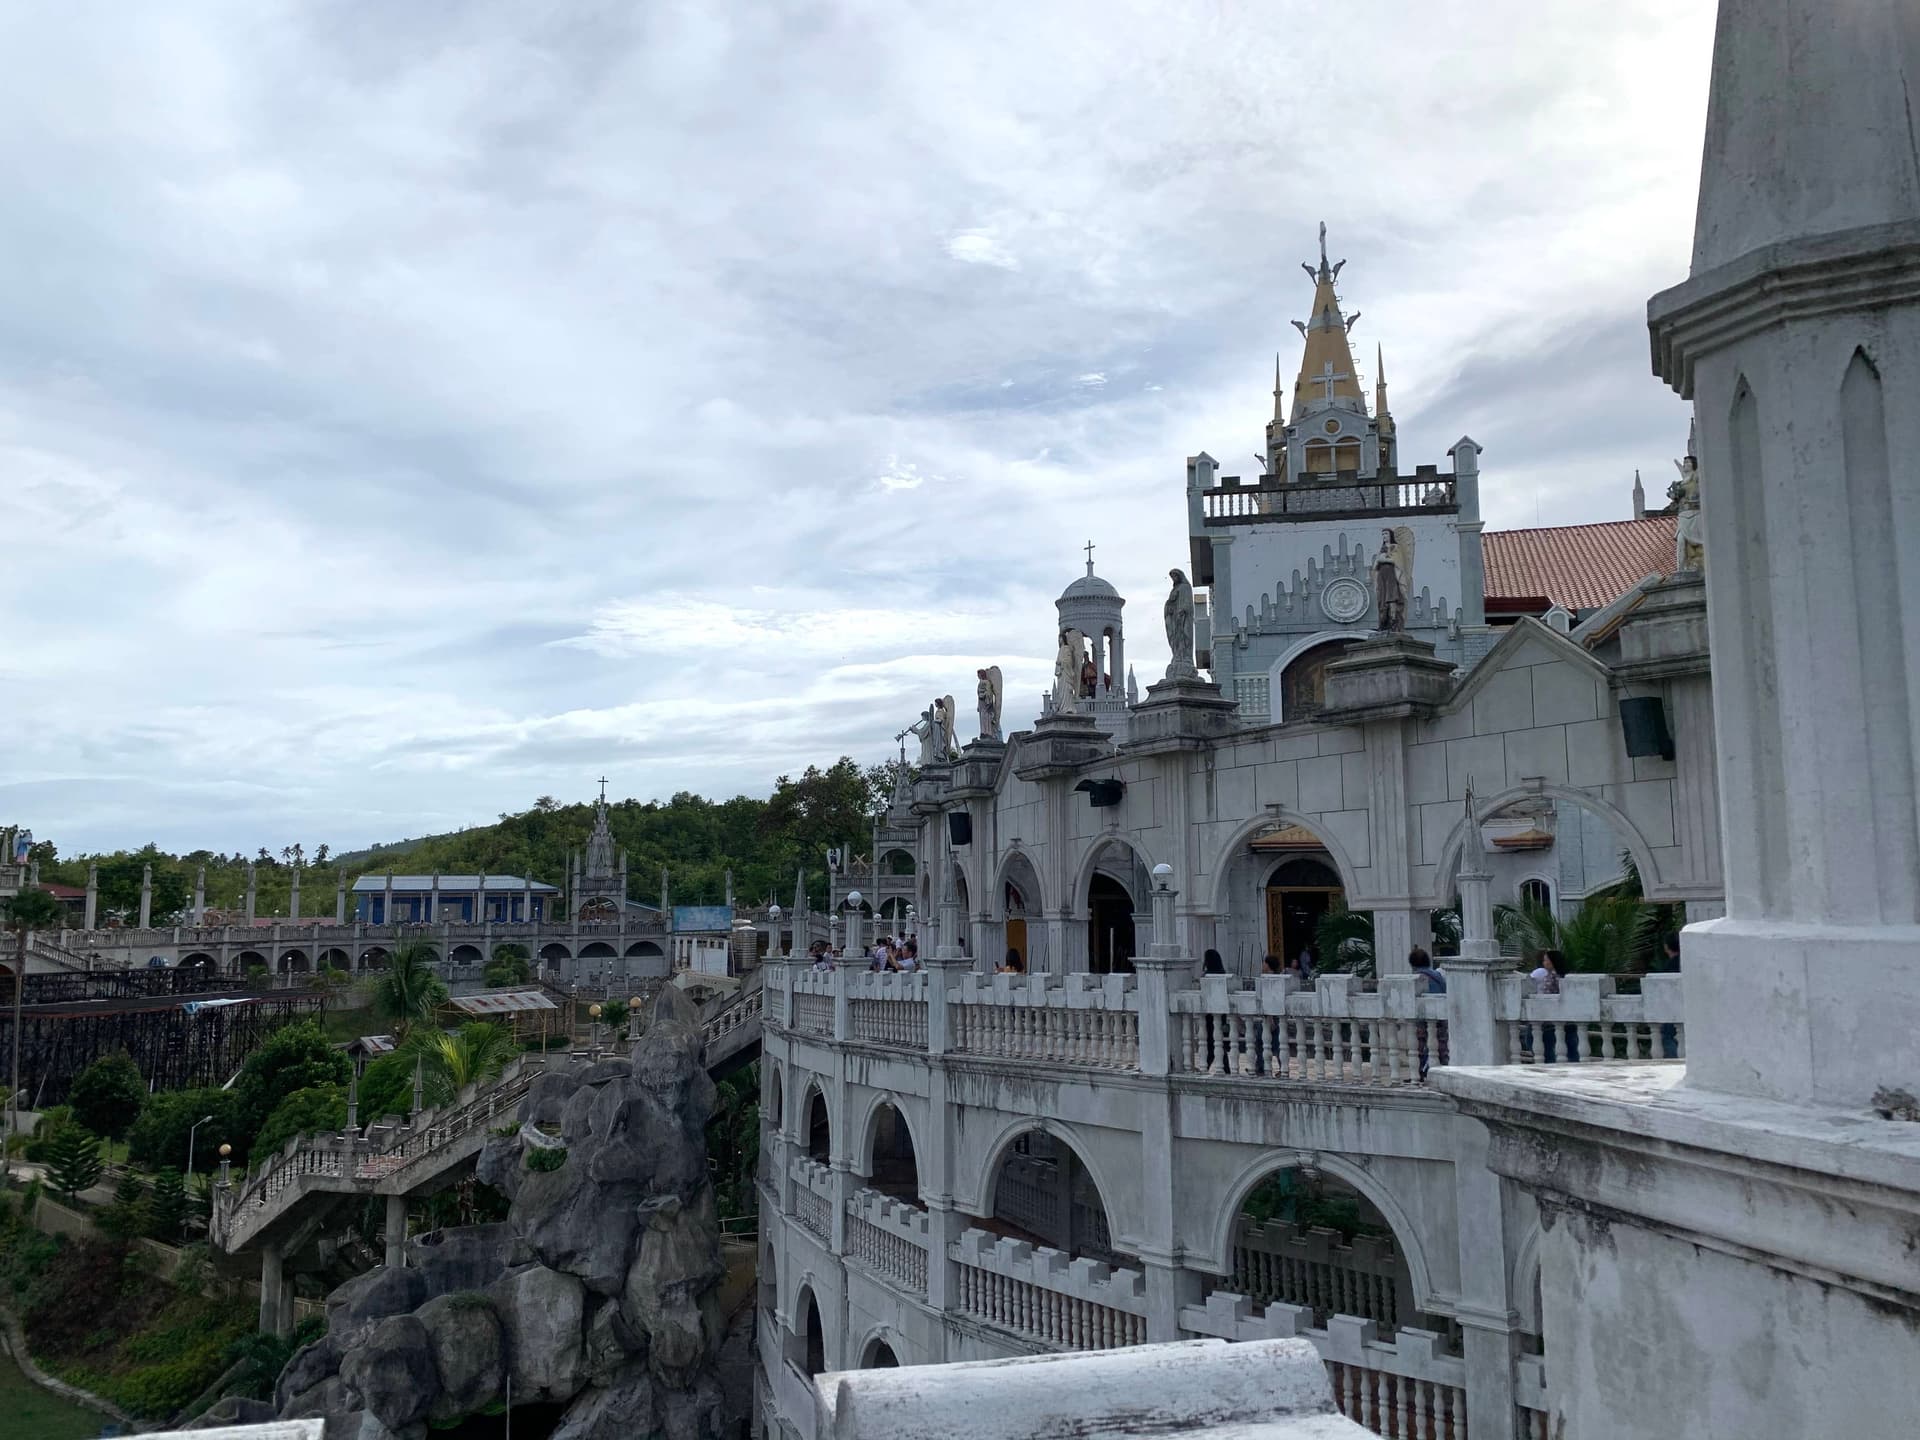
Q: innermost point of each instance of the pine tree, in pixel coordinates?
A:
(74, 1162)
(167, 1211)
(126, 1218)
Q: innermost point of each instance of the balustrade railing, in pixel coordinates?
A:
(1090, 1020)
(812, 1196)
(1043, 1295)
(1318, 1271)
(1406, 1388)
(886, 1009)
(1335, 495)
(1332, 1034)
(890, 1236)
(1588, 1022)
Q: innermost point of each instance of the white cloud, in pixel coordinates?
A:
(411, 416)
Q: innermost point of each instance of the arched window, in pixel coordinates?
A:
(1536, 894)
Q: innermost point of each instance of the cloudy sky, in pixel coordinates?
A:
(408, 410)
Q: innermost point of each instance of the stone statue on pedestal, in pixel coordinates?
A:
(987, 693)
(1066, 671)
(1689, 534)
(1393, 577)
(944, 743)
(1178, 613)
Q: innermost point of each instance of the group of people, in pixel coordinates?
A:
(887, 954)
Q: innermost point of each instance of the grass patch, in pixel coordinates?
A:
(29, 1410)
(541, 1160)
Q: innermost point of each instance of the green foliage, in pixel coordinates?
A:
(1313, 1203)
(409, 990)
(73, 1161)
(546, 1158)
(264, 1356)
(106, 1096)
(733, 1143)
(54, 1119)
(317, 1110)
(511, 965)
(31, 909)
(451, 1060)
(127, 1217)
(386, 1087)
(159, 1136)
(1344, 940)
(294, 1057)
(1598, 939)
(167, 1209)
(613, 1019)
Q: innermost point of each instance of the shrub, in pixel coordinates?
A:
(167, 1211)
(294, 1057)
(54, 1119)
(544, 1158)
(126, 1218)
(106, 1096)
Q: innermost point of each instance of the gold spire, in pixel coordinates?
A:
(1279, 393)
(1326, 369)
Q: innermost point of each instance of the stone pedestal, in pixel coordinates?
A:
(1181, 712)
(1386, 676)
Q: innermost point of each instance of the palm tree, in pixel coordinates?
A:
(451, 1060)
(409, 990)
(1599, 937)
(1344, 940)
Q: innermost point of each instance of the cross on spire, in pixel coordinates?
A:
(1327, 378)
(1089, 549)
(603, 789)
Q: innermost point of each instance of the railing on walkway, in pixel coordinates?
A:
(1316, 1269)
(890, 1236)
(1406, 1388)
(1089, 1020)
(1335, 1033)
(813, 1196)
(1589, 1022)
(889, 1010)
(1045, 1296)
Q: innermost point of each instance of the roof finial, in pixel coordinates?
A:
(1089, 557)
(1379, 364)
(1323, 245)
(603, 789)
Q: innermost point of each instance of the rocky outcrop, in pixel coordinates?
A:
(600, 1291)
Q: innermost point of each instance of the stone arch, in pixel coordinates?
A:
(293, 962)
(597, 950)
(554, 953)
(1220, 865)
(1216, 1254)
(248, 958)
(334, 958)
(981, 1203)
(880, 1349)
(198, 960)
(1523, 1284)
(466, 955)
(887, 865)
(644, 948)
(893, 1173)
(375, 957)
(816, 1121)
(1447, 870)
(1089, 861)
(769, 1280)
(1017, 868)
(1320, 647)
(809, 1332)
(774, 1110)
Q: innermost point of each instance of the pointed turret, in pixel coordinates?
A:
(1383, 417)
(1639, 498)
(1327, 377)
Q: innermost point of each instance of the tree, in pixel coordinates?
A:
(294, 1057)
(159, 1137)
(318, 1110)
(167, 1210)
(127, 1217)
(74, 1163)
(509, 965)
(409, 990)
(613, 1015)
(452, 1060)
(1598, 939)
(386, 1087)
(106, 1096)
(1344, 940)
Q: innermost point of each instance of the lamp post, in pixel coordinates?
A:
(773, 940)
(593, 1032)
(854, 936)
(226, 1165)
(190, 1131)
(633, 1018)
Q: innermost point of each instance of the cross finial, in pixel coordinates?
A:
(1327, 378)
(1089, 548)
(603, 789)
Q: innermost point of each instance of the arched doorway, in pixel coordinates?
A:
(1044, 1194)
(1303, 684)
(1110, 937)
(819, 1129)
(816, 1335)
(892, 1167)
(1300, 890)
(879, 1356)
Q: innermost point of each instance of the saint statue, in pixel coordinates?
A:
(1066, 672)
(1393, 577)
(987, 694)
(1689, 534)
(1179, 617)
(943, 722)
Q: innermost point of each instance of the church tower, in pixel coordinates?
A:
(1286, 558)
(600, 886)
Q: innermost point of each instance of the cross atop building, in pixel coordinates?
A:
(1327, 378)
(1089, 549)
(603, 789)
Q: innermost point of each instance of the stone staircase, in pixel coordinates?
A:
(52, 956)
(399, 1161)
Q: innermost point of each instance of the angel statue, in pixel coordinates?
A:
(987, 694)
(926, 729)
(1066, 672)
(943, 722)
(1178, 613)
(1393, 577)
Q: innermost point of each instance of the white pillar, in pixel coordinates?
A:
(146, 897)
(93, 897)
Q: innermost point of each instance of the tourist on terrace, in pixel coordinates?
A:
(1305, 965)
(822, 956)
(1212, 964)
(1270, 965)
(1668, 964)
(909, 956)
(1435, 981)
(1014, 966)
(1546, 981)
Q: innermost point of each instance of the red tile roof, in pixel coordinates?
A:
(1579, 566)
